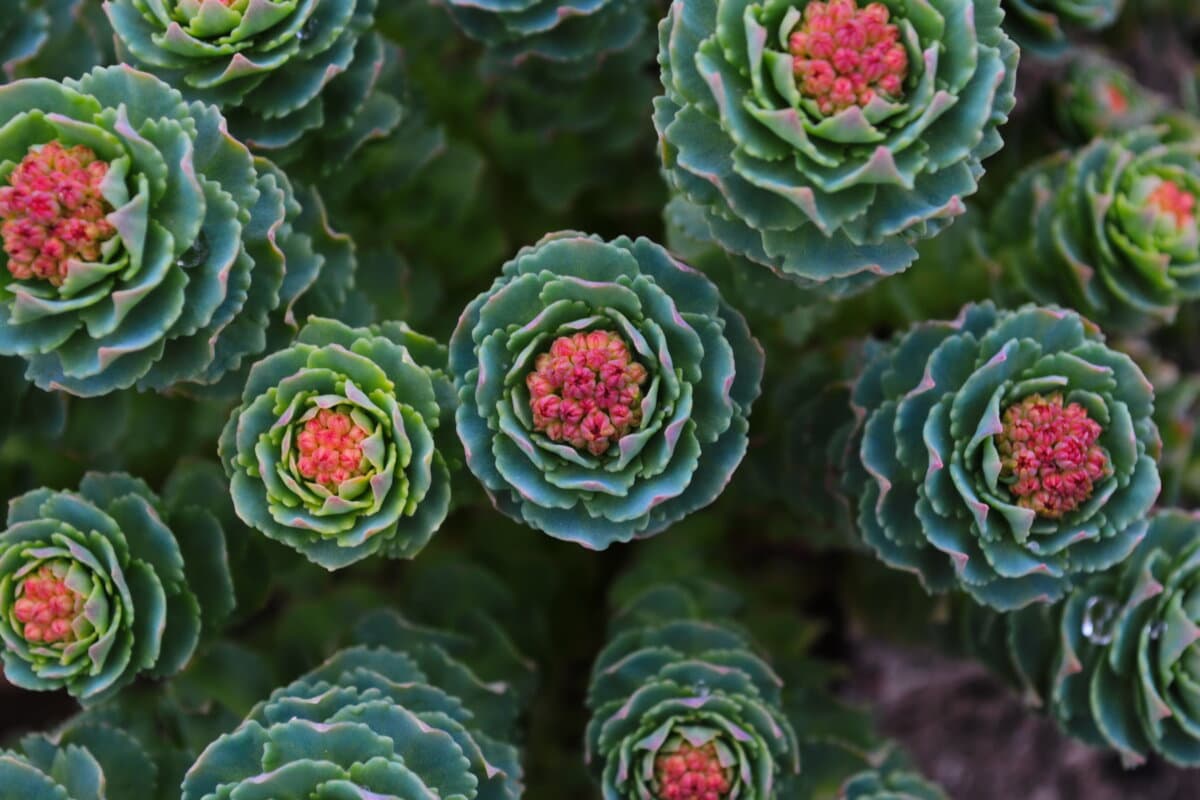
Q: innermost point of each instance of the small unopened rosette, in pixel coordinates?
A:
(287, 73)
(1110, 230)
(604, 388)
(823, 139)
(684, 706)
(142, 244)
(369, 722)
(1099, 96)
(1005, 453)
(1043, 27)
(99, 586)
(1118, 663)
(571, 36)
(332, 450)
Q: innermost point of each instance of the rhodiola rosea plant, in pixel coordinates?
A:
(616, 399)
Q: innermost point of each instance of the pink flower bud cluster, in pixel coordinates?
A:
(691, 773)
(53, 212)
(844, 56)
(1169, 199)
(47, 607)
(586, 391)
(1050, 450)
(330, 447)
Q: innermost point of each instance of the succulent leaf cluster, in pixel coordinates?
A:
(1044, 27)
(166, 250)
(84, 762)
(808, 162)
(1116, 663)
(295, 78)
(1004, 453)
(332, 450)
(371, 721)
(604, 388)
(1110, 230)
(53, 39)
(99, 586)
(682, 705)
(571, 37)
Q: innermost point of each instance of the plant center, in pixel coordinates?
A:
(46, 607)
(843, 55)
(330, 446)
(1050, 455)
(53, 212)
(1174, 202)
(691, 773)
(1118, 103)
(586, 391)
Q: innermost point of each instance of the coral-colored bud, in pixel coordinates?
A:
(329, 451)
(587, 403)
(53, 212)
(844, 56)
(1050, 454)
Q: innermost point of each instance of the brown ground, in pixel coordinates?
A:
(973, 735)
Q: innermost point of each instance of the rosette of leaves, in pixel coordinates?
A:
(83, 762)
(332, 449)
(682, 705)
(604, 388)
(827, 163)
(368, 722)
(1043, 27)
(1110, 230)
(573, 37)
(1005, 453)
(142, 244)
(53, 39)
(1099, 96)
(99, 586)
(296, 78)
(176, 720)
(1116, 663)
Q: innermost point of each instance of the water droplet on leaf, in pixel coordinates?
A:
(195, 255)
(1098, 617)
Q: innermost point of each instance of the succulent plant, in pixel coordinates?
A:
(1101, 97)
(332, 450)
(410, 722)
(604, 388)
(1042, 27)
(85, 762)
(1005, 453)
(827, 163)
(876, 785)
(296, 78)
(1116, 662)
(573, 37)
(53, 39)
(684, 709)
(22, 34)
(1110, 230)
(164, 252)
(101, 585)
